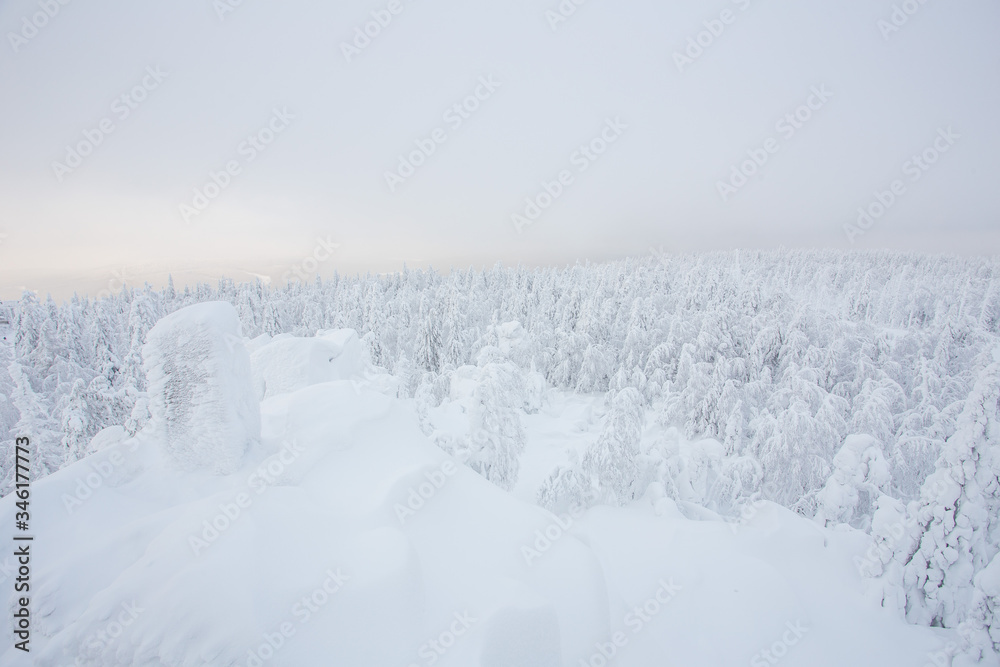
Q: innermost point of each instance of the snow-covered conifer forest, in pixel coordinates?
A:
(713, 459)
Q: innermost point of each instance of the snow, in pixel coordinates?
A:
(336, 533)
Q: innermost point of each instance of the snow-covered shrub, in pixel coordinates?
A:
(860, 475)
(201, 396)
(566, 489)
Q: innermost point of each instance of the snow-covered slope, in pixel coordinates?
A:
(343, 536)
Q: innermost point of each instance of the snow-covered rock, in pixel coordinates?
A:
(287, 364)
(201, 398)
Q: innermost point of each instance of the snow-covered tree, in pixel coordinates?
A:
(860, 475)
(497, 436)
(958, 514)
(612, 462)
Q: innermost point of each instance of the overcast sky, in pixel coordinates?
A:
(829, 101)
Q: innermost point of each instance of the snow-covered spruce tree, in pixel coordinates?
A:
(429, 341)
(496, 434)
(567, 489)
(37, 424)
(860, 475)
(958, 514)
(143, 314)
(611, 464)
(593, 374)
(76, 423)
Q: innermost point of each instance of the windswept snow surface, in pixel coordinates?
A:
(342, 536)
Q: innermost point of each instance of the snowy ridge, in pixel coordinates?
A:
(344, 536)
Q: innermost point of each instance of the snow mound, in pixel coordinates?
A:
(287, 364)
(201, 402)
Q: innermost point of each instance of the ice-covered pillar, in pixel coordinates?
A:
(202, 402)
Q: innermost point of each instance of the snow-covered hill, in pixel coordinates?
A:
(283, 507)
